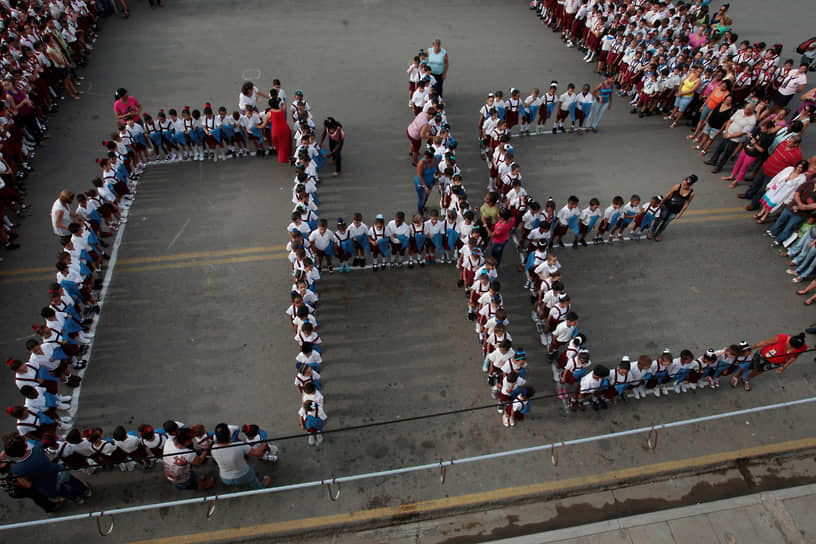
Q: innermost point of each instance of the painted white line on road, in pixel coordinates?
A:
(176, 237)
(105, 285)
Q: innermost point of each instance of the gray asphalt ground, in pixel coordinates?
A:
(200, 334)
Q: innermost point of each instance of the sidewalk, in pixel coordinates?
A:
(784, 516)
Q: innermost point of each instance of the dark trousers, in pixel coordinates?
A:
(337, 149)
(722, 153)
(757, 188)
(439, 83)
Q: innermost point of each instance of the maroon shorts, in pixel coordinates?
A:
(415, 144)
(412, 86)
(560, 230)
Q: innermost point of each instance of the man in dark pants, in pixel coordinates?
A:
(438, 61)
(735, 129)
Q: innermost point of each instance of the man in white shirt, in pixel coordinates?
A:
(179, 458)
(62, 216)
(231, 459)
(734, 131)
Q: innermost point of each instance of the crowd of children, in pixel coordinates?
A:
(42, 43)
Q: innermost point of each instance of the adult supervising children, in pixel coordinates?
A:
(438, 61)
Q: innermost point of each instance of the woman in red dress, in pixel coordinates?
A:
(279, 130)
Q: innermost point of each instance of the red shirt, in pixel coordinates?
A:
(782, 157)
(778, 352)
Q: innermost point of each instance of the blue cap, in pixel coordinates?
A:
(340, 221)
(379, 216)
(299, 92)
(520, 354)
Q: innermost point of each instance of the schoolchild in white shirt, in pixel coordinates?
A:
(589, 217)
(398, 233)
(567, 216)
(322, 240)
(567, 103)
(378, 242)
(627, 215)
(359, 235)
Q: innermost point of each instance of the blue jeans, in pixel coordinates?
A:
(786, 225)
(806, 262)
(663, 221)
(422, 197)
(497, 249)
(248, 479)
(597, 112)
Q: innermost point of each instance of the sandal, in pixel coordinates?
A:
(747, 385)
(808, 302)
(801, 292)
(734, 381)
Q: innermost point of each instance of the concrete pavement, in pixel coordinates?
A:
(205, 339)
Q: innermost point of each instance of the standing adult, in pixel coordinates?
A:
(733, 133)
(438, 61)
(280, 133)
(22, 107)
(231, 459)
(62, 216)
(126, 105)
(685, 94)
(419, 130)
(672, 206)
(500, 233)
(249, 96)
(786, 154)
(603, 100)
(334, 130)
(424, 179)
(797, 210)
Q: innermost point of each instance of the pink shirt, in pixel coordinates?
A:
(415, 128)
(132, 106)
(501, 232)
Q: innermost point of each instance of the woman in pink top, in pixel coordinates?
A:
(126, 105)
(698, 39)
(500, 233)
(419, 130)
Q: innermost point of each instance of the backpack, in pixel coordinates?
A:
(805, 45)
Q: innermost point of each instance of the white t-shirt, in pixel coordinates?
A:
(321, 241)
(251, 100)
(66, 218)
(566, 99)
(177, 464)
(232, 463)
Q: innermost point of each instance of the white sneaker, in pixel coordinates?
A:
(319, 439)
(65, 398)
(311, 440)
(63, 406)
(269, 458)
(66, 421)
(273, 449)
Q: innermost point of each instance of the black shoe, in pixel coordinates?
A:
(583, 242)
(12, 246)
(460, 283)
(575, 244)
(634, 110)
(555, 130)
(641, 115)
(709, 162)
(471, 316)
(595, 406)
(715, 170)
(603, 404)
(560, 243)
